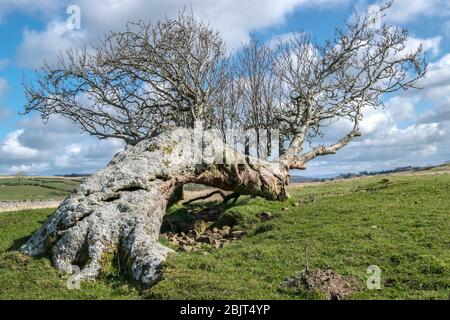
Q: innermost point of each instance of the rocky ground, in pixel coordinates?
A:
(203, 229)
(195, 239)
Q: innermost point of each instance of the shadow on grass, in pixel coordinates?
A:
(17, 243)
(180, 218)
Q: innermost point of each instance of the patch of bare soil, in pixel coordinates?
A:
(326, 281)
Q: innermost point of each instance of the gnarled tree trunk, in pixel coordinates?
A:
(121, 207)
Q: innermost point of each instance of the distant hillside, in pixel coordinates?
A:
(343, 176)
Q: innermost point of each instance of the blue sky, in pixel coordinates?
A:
(413, 129)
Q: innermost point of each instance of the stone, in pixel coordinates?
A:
(216, 243)
(225, 232)
(205, 239)
(201, 226)
(194, 233)
(163, 236)
(186, 248)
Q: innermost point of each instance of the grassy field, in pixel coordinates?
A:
(29, 188)
(400, 223)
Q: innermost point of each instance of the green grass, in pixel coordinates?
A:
(24, 278)
(35, 188)
(441, 168)
(401, 225)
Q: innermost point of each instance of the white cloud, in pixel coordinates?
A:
(402, 108)
(55, 147)
(37, 46)
(417, 134)
(33, 168)
(432, 45)
(12, 148)
(441, 114)
(436, 84)
(235, 19)
(404, 11)
(386, 144)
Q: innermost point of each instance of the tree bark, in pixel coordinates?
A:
(120, 208)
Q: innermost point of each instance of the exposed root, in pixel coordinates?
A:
(226, 197)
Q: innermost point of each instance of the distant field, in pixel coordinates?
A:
(400, 223)
(39, 188)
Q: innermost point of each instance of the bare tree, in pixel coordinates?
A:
(338, 80)
(136, 83)
(260, 89)
(20, 175)
(145, 84)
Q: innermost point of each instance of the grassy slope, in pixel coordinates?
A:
(35, 188)
(25, 278)
(411, 244)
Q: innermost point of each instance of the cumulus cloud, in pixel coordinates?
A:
(55, 147)
(436, 84)
(441, 114)
(432, 45)
(404, 11)
(12, 148)
(387, 144)
(235, 19)
(37, 46)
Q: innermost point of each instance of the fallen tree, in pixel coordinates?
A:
(151, 85)
(121, 207)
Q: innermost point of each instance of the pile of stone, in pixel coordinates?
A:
(204, 236)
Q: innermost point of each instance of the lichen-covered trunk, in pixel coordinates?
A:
(120, 208)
